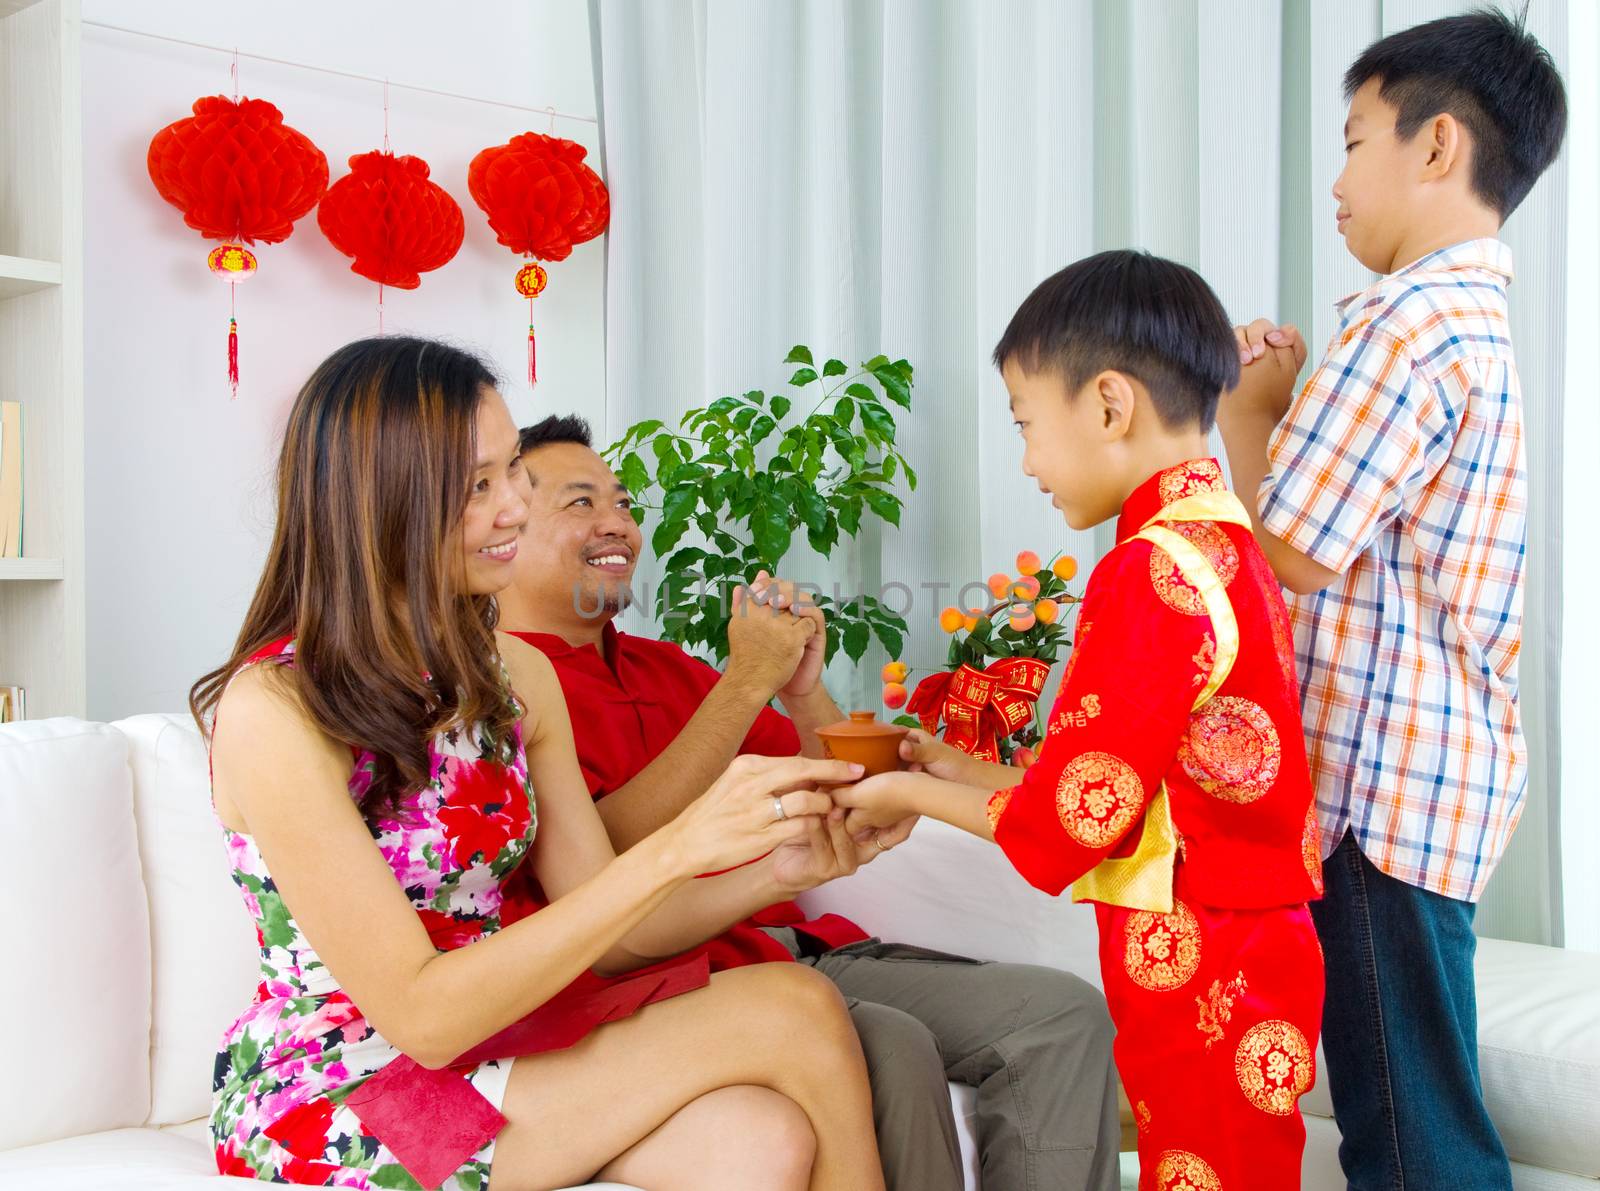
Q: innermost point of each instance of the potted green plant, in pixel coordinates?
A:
(745, 473)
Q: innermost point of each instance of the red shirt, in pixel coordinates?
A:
(628, 701)
(1124, 721)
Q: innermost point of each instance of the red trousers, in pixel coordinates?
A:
(1217, 1014)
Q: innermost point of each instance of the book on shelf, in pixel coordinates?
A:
(10, 479)
(13, 704)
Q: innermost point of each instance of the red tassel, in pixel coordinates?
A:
(233, 356)
(533, 359)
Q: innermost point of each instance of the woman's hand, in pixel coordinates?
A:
(756, 805)
(828, 851)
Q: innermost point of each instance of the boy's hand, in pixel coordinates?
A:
(1262, 334)
(877, 802)
(927, 753)
(1267, 382)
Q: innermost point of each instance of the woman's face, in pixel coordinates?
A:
(497, 504)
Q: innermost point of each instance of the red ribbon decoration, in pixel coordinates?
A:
(980, 707)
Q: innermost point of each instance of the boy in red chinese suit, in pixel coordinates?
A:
(1172, 788)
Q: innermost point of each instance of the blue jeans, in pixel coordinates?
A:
(1400, 1032)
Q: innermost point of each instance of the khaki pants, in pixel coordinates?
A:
(1035, 1043)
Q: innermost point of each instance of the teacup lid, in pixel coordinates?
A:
(861, 723)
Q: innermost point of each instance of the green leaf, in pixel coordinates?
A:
(635, 476)
(861, 393)
(761, 428)
(889, 465)
(894, 385)
(780, 406)
(744, 417)
(798, 354)
(812, 508)
(907, 721)
(875, 363)
(892, 640)
(638, 515)
(667, 535)
(834, 368)
(844, 412)
(850, 517)
(911, 476)
(678, 504)
(802, 377)
(770, 524)
(756, 397)
(856, 639)
(879, 421)
(683, 559)
(885, 504)
(645, 429)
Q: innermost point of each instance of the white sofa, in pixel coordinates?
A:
(129, 952)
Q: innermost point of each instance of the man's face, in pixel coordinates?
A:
(580, 545)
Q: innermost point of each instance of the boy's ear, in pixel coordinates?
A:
(1117, 398)
(1445, 143)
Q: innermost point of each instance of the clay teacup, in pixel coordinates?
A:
(862, 739)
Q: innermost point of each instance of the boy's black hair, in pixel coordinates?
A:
(556, 428)
(1154, 319)
(1485, 69)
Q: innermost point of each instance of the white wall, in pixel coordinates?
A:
(179, 477)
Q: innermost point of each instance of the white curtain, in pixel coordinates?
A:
(895, 175)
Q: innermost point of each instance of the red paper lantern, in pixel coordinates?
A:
(541, 199)
(392, 219)
(241, 175)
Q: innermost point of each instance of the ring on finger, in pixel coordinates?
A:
(878, 843)
(778, 812)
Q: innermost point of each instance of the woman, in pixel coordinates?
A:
(375, 755)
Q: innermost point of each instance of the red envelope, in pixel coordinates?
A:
(431, 1121)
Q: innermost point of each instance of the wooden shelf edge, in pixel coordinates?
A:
(19, 275)
(8, 7)
(30, 568)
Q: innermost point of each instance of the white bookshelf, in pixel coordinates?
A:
(41, 347)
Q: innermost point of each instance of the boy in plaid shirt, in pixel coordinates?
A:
(1392, 502)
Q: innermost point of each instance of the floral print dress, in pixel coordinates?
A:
(302, 1047)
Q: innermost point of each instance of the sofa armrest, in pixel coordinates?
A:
(951, 891)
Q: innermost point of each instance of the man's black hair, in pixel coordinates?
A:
(556, 428)
(1154, 319)
(1485, 69)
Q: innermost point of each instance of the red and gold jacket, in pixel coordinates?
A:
(1174, 762)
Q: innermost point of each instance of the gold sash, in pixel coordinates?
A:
(1143, 881)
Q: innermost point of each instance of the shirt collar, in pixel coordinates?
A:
(1165, 488)
(557, 648)
(1488, 254)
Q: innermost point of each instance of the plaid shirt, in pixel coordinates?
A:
(1400, 465)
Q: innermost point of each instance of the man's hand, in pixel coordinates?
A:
(1271, 357)
(766, 645)
(828, 851)
(784, 596)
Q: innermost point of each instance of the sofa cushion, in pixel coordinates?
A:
(947, 889)
(76, 1001)
(203, 949)
(1538, 1054)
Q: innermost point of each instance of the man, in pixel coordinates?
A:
(654, 727)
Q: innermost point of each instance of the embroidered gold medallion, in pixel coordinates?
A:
(1216, 1007)
(1311, 847)
(1161, 952)
(1168, 580)
(1202, 475)
(1232, 750)
(1275, 1066)
(1179, 1170)
(1099, 797)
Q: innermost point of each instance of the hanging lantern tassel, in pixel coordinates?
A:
(531, 280)
(233, 263)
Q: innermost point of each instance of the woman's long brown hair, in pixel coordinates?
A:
(365, 570)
